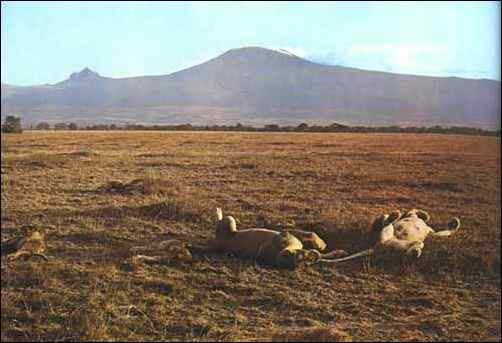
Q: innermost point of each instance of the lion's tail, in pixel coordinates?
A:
(363, 253)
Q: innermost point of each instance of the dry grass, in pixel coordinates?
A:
(316, 334)
(333, 184)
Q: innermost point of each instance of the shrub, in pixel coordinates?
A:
(12, 125)
(43, 126)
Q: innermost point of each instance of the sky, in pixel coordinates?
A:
(44, 42)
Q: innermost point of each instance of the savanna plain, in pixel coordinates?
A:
(333, 184)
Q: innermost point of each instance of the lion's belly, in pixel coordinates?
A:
(411, 230)
(246, 243)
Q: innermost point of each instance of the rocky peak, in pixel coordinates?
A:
(84, 74)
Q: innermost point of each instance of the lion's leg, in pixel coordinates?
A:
(423, 215)
(300, 234)
(18, 254)
(150, 259)
(292, 258)
(415, 249)
(453, 227)
(163, 245)
(219, 213)
(442, 233)
(309, 239)
(385, 219)
(41, 255)
(393, 216)
(407, 247)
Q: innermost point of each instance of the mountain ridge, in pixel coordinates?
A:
(255, 85)
(282, 51)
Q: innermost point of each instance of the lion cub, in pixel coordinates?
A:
(32, 243)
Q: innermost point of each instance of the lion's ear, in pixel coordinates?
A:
(423, 215)
(454, 224)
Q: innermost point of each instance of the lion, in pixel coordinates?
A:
(403, 234)
(285, 249)
(31, 243)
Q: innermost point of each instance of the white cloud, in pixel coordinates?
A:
(400, 56)
(412, 58)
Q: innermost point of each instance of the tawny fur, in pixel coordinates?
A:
(166, 251)
(280, 249)
(403, 233)
(32, 243)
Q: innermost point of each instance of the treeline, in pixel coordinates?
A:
(13, 125)
(275, 128)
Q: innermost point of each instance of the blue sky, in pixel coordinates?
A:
(44, 42)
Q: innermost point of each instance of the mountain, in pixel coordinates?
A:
(259, 86)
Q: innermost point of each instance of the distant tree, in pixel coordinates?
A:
(272, 127)
(338, 127)
(437, 129)
(72, 126)
(317, 128)
(43, 126)
(302, 127)
(99, 127)
(184, 127)
(60, 126)
(12, 125)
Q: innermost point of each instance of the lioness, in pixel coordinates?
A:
(402, 233)
(280, 249)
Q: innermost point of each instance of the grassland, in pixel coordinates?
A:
(333, 184)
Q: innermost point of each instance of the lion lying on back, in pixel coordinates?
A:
(403, 234)
(396, 232)
(285, 249)
(280, 249)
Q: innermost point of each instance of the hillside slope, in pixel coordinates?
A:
(256, 86)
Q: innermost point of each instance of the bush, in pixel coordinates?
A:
(60, 126)
(43, 126)
(12, 125)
